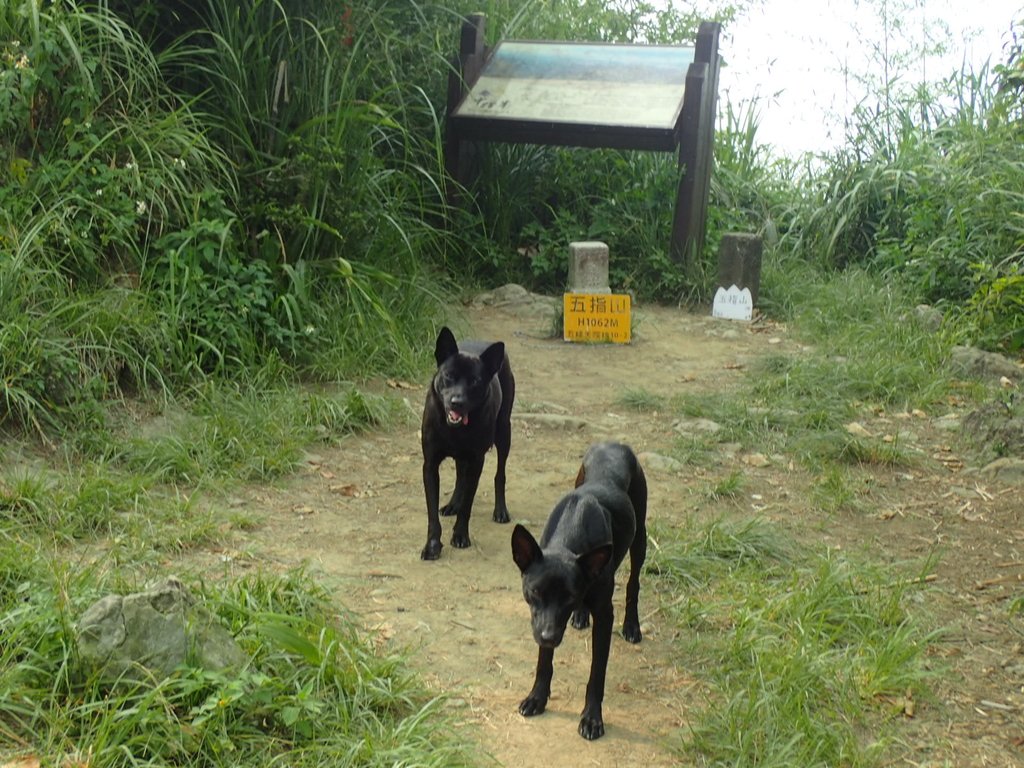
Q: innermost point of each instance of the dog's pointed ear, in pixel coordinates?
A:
(594, 561)
(525, 549)
(581, 476)
(493, 357)
(446, 346)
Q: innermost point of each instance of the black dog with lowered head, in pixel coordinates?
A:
(572, 570)
(468, 409)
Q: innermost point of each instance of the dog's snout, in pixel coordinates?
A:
(548, 637)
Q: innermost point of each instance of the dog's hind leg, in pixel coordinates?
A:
(637, 555)
(467, 479)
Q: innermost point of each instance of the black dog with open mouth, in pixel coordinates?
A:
(468, 409)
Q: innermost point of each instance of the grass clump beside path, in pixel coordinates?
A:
(805, 653)
(315, 693)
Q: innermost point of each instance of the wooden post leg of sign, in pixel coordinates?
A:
(464, 72)
(685, 223)
(706, 50)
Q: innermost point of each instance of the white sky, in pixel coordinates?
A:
(797, 48)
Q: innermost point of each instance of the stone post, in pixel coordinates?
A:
(588, 267)
(739, 262)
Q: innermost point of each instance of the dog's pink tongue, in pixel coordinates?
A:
(454, 417)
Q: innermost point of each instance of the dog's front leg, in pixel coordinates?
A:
(592, 719)
(580, 618)
(432, 490)
(535, 703)
(467, 478)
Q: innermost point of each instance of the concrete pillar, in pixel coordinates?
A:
(588, 267)
(739, 262)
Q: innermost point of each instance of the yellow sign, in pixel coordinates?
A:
(597, 317)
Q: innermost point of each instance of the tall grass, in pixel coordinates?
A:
(283, 210)
(929, 197)
(341, 177)
(98, 156)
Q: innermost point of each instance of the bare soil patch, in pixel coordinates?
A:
(356, 517)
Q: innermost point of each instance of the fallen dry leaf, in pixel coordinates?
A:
(28, 761)
(857, 429)
(756, 460)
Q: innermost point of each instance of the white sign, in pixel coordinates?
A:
(733, 304)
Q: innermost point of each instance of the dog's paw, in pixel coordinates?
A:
(447, 510)
(531, 706)
(460, 540)
(500, 515)
(632, 632)
(591, 727)
(580, 618)
(432, 550)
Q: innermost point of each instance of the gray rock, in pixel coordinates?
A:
(928, 317)
(995, 430)
(506, 294)
(152, 633)
(513, 298)
(656, 462)
(695, 427)
(979, 364)
(551, 420)
(1006, 470)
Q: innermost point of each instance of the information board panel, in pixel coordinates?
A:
(597, 317)
(609, 84)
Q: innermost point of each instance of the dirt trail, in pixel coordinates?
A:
(357, 516)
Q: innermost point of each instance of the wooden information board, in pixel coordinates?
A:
(619, 96)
